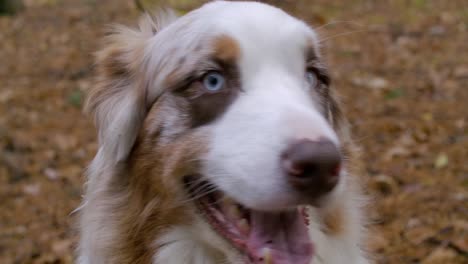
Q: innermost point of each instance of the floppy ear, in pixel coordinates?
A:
(118, 101)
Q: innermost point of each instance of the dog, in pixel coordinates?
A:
(220, 141)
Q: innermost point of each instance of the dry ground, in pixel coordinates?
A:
(403, 75)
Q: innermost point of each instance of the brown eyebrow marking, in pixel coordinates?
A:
(311, 50)
(225, 52)
(226, 49)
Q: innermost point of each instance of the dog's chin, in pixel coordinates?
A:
(279, 237)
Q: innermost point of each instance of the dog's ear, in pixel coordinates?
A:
(118, 101)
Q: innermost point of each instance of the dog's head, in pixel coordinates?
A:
(227, 108)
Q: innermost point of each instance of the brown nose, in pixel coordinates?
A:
(312, 166)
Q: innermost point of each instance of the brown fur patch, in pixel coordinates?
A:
(111, 64)
(153, 189)
(134, 201)
(184, 80)
(334, 221)
(226, 49)
(174, 77)
(116, 66)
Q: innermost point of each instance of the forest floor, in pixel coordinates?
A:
(401, 67)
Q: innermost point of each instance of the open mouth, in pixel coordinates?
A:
(263, 237)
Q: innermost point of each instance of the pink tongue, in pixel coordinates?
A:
(284, 234)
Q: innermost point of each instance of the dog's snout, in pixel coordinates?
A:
(312, 166)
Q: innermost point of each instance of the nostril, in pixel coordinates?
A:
(335, 171)
(292, 168)
(312, 164)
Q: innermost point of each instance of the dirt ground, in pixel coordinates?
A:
(401, 67)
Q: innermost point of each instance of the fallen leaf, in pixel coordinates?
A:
(461, 72)
(375, 83)
(441, 161)
(418, 234)
(394, 94)
(437, 31)
(62, 247)
(32, 189)
(461, 244)
(76, 98)
(51, 174)
(428, 117)
(384, 184)
(441, 255)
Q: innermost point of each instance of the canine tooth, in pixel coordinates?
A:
(227, 200)
(243, 226)
(226, 203)
(233, 211)
(267, 257)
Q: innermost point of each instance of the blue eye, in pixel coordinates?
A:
(311, 78)
(213, 81)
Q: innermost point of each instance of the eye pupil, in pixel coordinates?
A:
(213, 81)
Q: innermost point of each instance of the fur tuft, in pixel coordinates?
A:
(118, 101)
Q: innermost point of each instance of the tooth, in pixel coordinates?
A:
(266, 254)
(233, 211)
(226, 201)
(243, 226)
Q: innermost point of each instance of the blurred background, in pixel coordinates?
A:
(401, 67)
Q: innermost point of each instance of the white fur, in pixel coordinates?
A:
(195, 244)
(346, 246)
(244, 159)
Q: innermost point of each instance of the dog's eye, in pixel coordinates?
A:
(311, 77)
(213, 81)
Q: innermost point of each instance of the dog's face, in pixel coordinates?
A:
(228, 108)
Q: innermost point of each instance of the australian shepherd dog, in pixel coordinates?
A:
(220, 142)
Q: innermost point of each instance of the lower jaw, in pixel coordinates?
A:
(259, 237)
(236, 228)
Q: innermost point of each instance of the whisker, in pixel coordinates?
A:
(335, 22)
(200, 190)
(342, 34)
(193, 198)
(195, 183)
